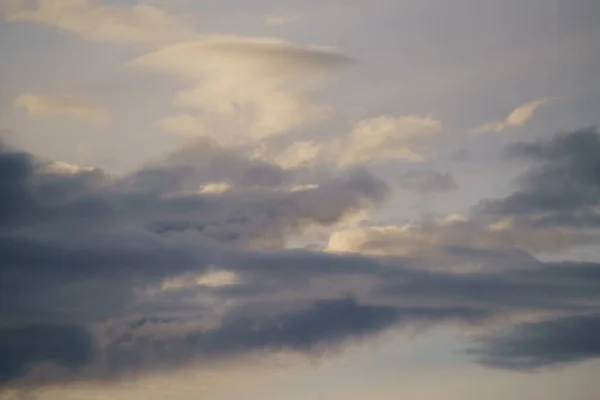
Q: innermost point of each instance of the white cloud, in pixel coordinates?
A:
(212, 278)
(517, 118)
(301, 188)
(252, 87)
(63, 168)
(386, 138)
(215, 188)
(42, 106)
(118, 23)
(297, 154)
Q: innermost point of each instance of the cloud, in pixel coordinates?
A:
(43, 106)
(561, 187)
(196, 278)
(323, 323)
(442, 239)
(68, 346)
(541, 344)
(295, 155)
(254, 85)
(556, 207)
(216, 188)
(117, 23)
(211, 279)
(378, 139)
(388, 138)
(185, 125)
(61, 167)
(427, 181)
(516, 119)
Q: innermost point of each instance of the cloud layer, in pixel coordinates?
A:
(197, 276)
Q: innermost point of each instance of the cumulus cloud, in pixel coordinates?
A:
(516, 119)
(90, 19)
(388, 138)
(254, 85)
(377, 139)
(43, 106)
(197, 277)
(295, 155)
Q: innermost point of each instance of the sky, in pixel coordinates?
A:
(299, 199)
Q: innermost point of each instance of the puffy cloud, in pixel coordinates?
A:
(295, 155)
(118, 23)
(298, 154)
(516, 119)
(42, 106)
(427, 181)
(244, 84)
(372, 140)
(386, 138)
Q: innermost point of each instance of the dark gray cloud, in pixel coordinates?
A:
(561, 187)
(538, 286)
(427, 181)
(21, 347)
(315, 328)
(547, 343)
(68, 239)
(75, 228)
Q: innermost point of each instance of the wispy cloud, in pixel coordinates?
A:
(516, 119)
(90, 19)
(388, 138)
(39, 105)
